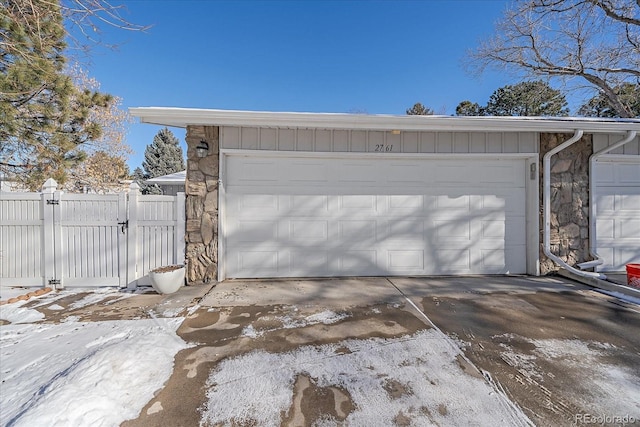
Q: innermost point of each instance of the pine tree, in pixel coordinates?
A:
(162, 157)
(600, 106)
(534, 98)
(44, 117)
(419, 110)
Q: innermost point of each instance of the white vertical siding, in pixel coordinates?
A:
(361, 141)
(601, 141)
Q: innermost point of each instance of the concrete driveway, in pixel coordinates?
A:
(404, 351)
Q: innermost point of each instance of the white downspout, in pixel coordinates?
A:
(592, 200)
(546, 202)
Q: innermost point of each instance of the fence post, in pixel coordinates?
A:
(180, 226)
(132, 236)
(52, 234)
(123, 221)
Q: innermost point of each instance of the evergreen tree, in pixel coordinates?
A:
(138, 176)
(419, 110)
(44, 117)
(162, 157)
(468, 108)
(600, 106)
(535, 98)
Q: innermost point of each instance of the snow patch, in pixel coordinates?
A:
(15, 313)
(94, 373)
(326, 317)
(611, 389)
(93, 298)
(258, 387)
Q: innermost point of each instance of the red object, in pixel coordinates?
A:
(633, 275)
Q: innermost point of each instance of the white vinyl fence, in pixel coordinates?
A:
(64, 240)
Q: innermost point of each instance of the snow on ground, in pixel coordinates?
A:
(256, 388)
(326, 317)
(621, 296)
(17, 313)
(82, 373)
(612, 389)
(8, 292)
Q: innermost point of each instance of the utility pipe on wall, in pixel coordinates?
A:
(546, 201)
(631, 135)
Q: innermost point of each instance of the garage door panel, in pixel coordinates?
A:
(411, 174)
(493, 259)
(254, 231)
(251, 172)
(453, 173)
(310, 231)
(629, 203)
(289, 229)
(456, 201)
(363, 232)
(358, 203)
(255, 261)
(493, 229)
(452, 260)
(250, 203)
(508, 260)
(402, 204)
(448, 230)
(616, 256)
(357, 172)
(628, 174)
(617, 199)
(309, 173)
(309, 205)
(501, 229)
(357, 262)
(404, 232)
(628, 227)
(309, 262)
(406, 260)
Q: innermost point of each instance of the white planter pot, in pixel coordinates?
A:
(167, 280)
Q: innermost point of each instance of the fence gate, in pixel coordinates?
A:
(83, 240)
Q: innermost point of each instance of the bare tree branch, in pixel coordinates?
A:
(595, 40)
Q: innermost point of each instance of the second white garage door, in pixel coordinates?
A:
(617, 198)
(312, 217)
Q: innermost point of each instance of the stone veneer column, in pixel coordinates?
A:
(202, 205)
(569, 236)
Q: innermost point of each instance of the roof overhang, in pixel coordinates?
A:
(171, 179)
(183, 117)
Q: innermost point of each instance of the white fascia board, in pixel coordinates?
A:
(182, 117)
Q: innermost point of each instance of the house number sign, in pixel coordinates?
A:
(383, 148)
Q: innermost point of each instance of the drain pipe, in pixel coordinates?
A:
(592, 201)
(546, 201)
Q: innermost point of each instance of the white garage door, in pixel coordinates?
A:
(618, 212)
(306, 216)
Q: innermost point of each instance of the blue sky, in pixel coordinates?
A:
(378, 57)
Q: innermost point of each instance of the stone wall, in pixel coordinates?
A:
(202, 205)
(569, 236)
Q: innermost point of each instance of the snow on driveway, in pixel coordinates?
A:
(411, 379)
(81, 373)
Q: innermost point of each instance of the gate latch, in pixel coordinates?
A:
(123, 225)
